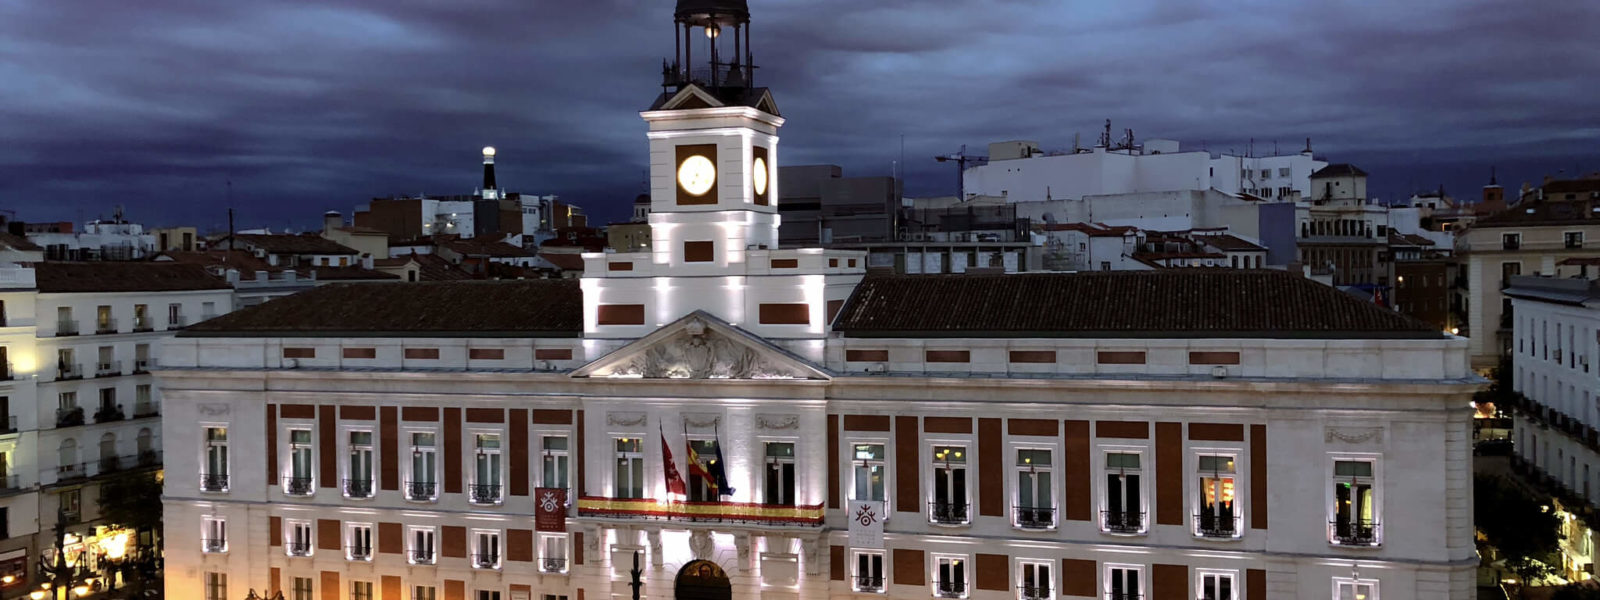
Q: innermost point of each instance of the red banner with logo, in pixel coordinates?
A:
(550, 509)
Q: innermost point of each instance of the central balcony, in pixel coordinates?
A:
(553, 565)
(950, 589)
(213, 483)
(1342, 532)
(948, 513)
(421, 491)
(297, 486)
(1029, 517)
(869, 584)
(489, 560)
(701, 512)
(297, 548)
(487, 493)
(1208, 525)
(1117, 521)
(358, 488)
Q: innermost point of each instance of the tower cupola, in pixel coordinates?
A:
(712, 47)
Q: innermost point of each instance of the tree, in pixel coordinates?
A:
(63, 575)
(132, 500)
(1525, 532)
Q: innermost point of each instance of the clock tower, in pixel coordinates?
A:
(713, 137)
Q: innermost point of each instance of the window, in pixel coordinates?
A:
(423, 592)
(107, 365)
(630, 468)
(869, 572)
(299, 542)
(174, 316)
(358, 542)
(1266, 173)
(950, 576)
(555, 461)
(949, 504)
(359, 483)
(208, 310)
(361, 590)
(214, 534)
(103, 323)
(141, 317)
(302, 588)
(67, 364)
(424, 466)
(299, 482)
(217, 586)
(1124, 501)
(1036, 583)
(1215, 585)
(1035, 508)
(71, 504)
(1355, 516)
(868, 465)
(488, 595)
(1218, 517)
(1283, 171)
(780, 473)
(1573, 239)
(65, 325)
(553, 553)
(422, 546)
(1124, 582)
(1510, 241)
(142, 405)
(486, 489)
(215, 476)
(486, 549)
(1355, 589)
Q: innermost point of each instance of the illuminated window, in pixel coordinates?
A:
(555, 461)
(1355, 509)
(358, 542)
(630, 468)
(1216, 585)
(424, 592)
(215, 476)
(299, 482)
(214, 534)
(217, 586)
(486, 474)
(1218, 515)
(1124, 582)
(299, 539)
(423, 485)
(302, 588)
(949, 505)
(868, 462)
(361, 590)
(780, 473)
(869, 572)
(1035, 506)
(486, 549)
(1124, 498)
(1355, 589)
(701, 490)
(553, 552)
(359, 469)
(422, 545)
(950, 576)
(1035, 582)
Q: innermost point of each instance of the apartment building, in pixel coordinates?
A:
(733, 418)
(78, 342)
(1532, 238)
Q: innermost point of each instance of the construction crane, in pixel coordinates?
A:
(961, 158)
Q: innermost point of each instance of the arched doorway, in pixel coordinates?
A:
(702, 580)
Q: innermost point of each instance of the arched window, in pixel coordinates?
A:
(145, 441)
(108, 445)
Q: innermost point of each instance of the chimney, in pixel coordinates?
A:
(331, 220)
(366, 261)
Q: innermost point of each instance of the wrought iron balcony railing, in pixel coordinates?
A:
(210, 482)
(1216, 526)
(69, 371)
(950, 589)
(141, 323)
(486, 493)
(422, 556)
(490, 560)
(421, 490)
(869, 584)
(1029, 517)
(213, 546)
(104, 326)
(66, 328)
(553, 565)
(948, 513)
(297, 548)
(1347, 532)
(141, 365)
(1118, 521)
(358, 488)
(297, 486)
(359, 552)
(109, 413)
(143, 410)
(110, 368)
(1034, 592)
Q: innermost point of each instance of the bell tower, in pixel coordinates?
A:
(713, 138)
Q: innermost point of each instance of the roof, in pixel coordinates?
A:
(478, 246)
(1408, 239)
(1093, 230)
(1580, 261)
(1571, 186)
(519, 308)
(1339, 170)
(1542, 212)
(1571, 291)
(1180, 303)
(349, 274)
(74, 277)
(1228, 243)
(566, 261)
(305, 243)
(430, 267)
(17, 242)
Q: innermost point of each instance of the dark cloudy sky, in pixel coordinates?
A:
(314, 105)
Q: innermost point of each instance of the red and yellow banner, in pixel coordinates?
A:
(743, 512)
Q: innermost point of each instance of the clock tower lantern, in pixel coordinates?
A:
(714, 202)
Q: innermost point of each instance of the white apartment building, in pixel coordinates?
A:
(1020, 172)
(1556, 343)
(114, 239)
(1023, 436)
(79, 341)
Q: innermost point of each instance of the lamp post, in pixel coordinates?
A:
(636, 584)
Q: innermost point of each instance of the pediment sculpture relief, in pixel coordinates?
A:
(702, 353)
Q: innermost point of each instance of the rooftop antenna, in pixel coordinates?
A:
(1105, 136)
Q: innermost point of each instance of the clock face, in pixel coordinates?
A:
(696, 174)
(758, 175)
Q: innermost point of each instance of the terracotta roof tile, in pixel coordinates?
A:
(17, 242)
(524, 308)
(1179, 303)
(69, 277)
(305, 243)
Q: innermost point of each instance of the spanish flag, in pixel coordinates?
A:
(698, 470)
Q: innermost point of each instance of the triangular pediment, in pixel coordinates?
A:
(701, 346)
(691, 97)
(766, 104)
